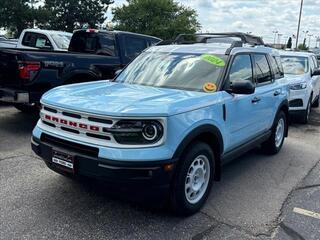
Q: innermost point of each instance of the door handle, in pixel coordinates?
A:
(276, 93)
(256, 99)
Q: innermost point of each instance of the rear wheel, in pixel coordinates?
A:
(306, 113)
(275, 142)
(26, 108)
(193, 180)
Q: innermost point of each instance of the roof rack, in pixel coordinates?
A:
(218, 37)
(203, 38)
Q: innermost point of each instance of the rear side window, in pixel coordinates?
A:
(106, 45)
(241, 68)
(83, 42)
(134, 46)
(263, 72)
(36, 40)
(276, 66)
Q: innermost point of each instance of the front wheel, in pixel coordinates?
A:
(275, 142)
(193, 179)
(306, 113)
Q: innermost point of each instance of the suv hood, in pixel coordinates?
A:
(116, 99)
(292, 79)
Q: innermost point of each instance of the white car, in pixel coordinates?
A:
(302, 71)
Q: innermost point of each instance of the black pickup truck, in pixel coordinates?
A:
(92, 55)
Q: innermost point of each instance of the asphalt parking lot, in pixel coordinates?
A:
(259, 196)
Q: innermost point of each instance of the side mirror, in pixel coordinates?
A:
(316, 72)
(242, 87)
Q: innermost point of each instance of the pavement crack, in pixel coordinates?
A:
(236, 227)
(10, 157)
(308, 186)
(204, 233)
(290, 232)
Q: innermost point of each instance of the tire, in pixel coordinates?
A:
(189, 194)
(306, 113)
(26, 108)
(274, 144)
(317, 102)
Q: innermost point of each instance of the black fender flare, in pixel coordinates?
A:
(198, 132)
(284, 105)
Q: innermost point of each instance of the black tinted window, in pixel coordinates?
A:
(262, 69)
(276, 67)
(36, 40)
(241, 68)
(84, 42)
(134, 46)
(106, 45)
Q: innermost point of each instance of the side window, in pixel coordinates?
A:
(106, 45)
(134, 46)
(315, 61)
(241, 68)
(312, 64)
(276, 66)
(262, 68)
(36, 40)
(28, 39)
(42, 42)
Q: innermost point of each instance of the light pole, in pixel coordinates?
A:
(275, 35)
(279, 37)
(299, 24)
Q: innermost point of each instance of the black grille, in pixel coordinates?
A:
(99, 120)
(73, 115)
(296, 103)
(76, 147)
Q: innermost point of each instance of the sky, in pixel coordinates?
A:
(261, 17)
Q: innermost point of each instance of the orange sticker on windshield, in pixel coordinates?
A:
(209, 87)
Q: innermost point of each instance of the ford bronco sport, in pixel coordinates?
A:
(171, 118)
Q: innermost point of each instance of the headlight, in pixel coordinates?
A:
(136, 132)
(298, 86)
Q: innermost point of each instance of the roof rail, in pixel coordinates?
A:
(203, 38)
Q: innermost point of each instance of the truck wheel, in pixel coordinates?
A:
(275, 142)
(26, 108)
(193, 179)
(317, 102)
(306, 113)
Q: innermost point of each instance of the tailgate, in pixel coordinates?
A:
(9, 75)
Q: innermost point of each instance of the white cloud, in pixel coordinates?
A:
(260, 17)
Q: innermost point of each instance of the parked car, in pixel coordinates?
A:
(302, 71)
(170, 119)
(41, 39)
(26, 74)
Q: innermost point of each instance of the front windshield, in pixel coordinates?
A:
(61, 40)
(185, 71)
(295, 65)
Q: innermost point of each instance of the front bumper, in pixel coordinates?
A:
(13, 96)
(298, 100)
(151, 175)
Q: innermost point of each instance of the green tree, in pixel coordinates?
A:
(303, 45)
(289, 43)
(162, 18)
(16, 15)
(70, 14)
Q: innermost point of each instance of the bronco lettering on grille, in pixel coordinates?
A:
(72, 123)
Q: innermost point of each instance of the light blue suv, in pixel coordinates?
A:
(171, 118)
